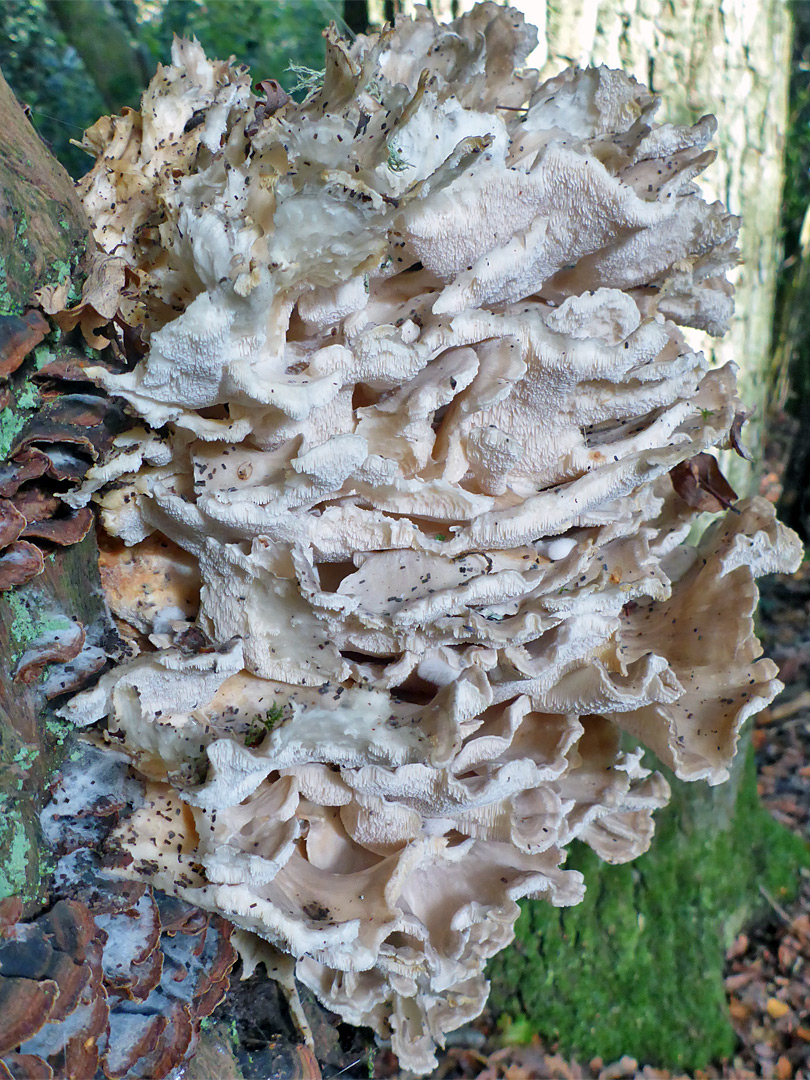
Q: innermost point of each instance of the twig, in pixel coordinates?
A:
(350, 1066)
(788, 708)
(777, 907)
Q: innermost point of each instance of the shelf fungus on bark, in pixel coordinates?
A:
(115, 985)
(116, 979)
(412, 399)
(49, 450)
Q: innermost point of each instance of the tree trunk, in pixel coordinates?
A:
(43, 233)
(793, 350)
(100, 38)
(731, 59)
(792, 336)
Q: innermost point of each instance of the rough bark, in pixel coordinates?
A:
(42, 236)
(42, 224)
(732, 59)
(791, 367)
(792, 355)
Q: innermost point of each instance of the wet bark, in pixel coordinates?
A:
(42, 225)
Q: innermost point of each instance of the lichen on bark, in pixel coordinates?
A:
(43, 234)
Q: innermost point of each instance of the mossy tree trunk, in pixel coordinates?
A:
(793, 361)
(792, 351)
(43, 234)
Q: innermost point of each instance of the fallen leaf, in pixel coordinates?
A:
(53, 298)
(739, 947)
(701, 485)
(735, 434)
(275, 96)
(784, 1070)
(738, 1010)
(736, 982)
(776, 1009)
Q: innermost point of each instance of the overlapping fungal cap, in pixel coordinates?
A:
(45, 452)
(115, 980)
(414, 388)
(54, 1002)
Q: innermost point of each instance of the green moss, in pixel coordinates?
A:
(307, 78)
(21, 230)
(14, 417)
(26, 627)
(16, 852)
(515, 1031)
(58, 728)
(637, 967)
(8, 305)
(43, 355)
(62, 269)
(396, 162)
(11, 424)
(22, 624)
(24, 869)
(263, 724)
(26, 756)
(28, 396)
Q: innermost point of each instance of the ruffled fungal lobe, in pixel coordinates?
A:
(413, 391)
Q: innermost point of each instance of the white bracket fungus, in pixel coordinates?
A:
(413, 390)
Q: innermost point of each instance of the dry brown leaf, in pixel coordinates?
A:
(701, 485)
(735, 434)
